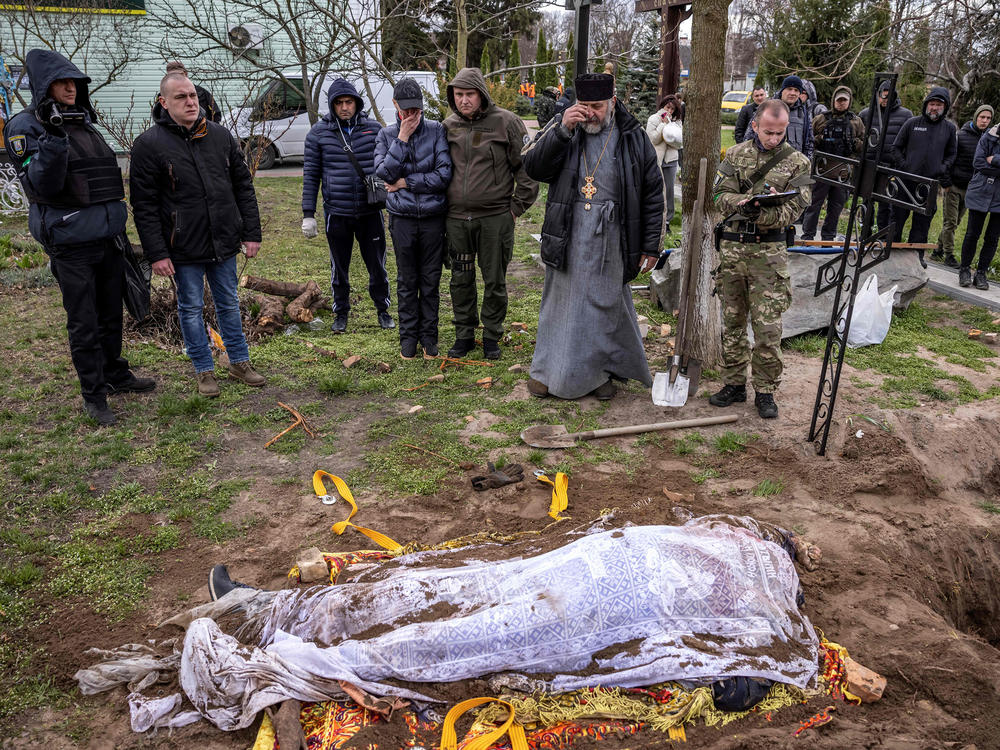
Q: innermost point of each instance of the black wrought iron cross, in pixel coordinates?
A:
(869, 182)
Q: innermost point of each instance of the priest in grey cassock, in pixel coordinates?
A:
(602, 227)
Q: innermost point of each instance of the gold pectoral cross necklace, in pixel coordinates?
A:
(589, 189)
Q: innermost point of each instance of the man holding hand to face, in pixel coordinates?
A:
(412, 158)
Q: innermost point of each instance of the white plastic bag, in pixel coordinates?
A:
(872, 315)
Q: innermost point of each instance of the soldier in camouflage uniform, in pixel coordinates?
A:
(752, 277)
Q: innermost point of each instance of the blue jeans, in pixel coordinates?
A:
(190, 278)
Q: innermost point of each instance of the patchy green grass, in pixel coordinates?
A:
(990, 507)
(733, 442)
(769, 487)
(704, 475)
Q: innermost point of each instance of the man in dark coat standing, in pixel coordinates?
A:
(961, 172)
(78, 214)
(345, 130)
(742, 130)
(925, 145)
(601, 227)
(412, 157)
(891, 116)
(194, 206)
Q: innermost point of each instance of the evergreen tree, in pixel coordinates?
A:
(637, 83)
(541, 56)
(514, 59)
(599, 61)
(544, 76)
(812, 35)
(484, 61)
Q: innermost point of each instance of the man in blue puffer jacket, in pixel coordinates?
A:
(412, 158)
(344, 130)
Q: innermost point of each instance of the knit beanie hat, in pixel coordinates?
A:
(980, 109)
(792, 82)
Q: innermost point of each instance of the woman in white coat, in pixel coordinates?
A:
(667, 134)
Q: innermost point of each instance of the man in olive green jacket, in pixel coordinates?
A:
(489, 189)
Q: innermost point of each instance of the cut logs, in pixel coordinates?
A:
(298, 309)
(272, 312)
(303, 300)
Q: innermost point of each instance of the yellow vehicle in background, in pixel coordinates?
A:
(733, 101)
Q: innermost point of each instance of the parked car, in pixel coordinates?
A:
(733, 101)
(273, 127)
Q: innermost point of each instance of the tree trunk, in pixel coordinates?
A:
(710, 19)
(277, 288)
(272, 312)
(298, 309)
(461, 34)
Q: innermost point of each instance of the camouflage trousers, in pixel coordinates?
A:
(752, 282)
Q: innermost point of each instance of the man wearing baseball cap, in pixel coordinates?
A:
(412, 158)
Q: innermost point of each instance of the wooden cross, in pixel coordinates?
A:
(672, 12)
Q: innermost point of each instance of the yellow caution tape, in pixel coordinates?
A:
(560, 496)
(344, 491)
(449, 741)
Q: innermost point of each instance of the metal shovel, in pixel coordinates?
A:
(556, 436)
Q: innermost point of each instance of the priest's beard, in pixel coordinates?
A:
(596, 126)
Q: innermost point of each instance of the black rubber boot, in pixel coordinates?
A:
(220, 584)
(462, 347)
(729, 395)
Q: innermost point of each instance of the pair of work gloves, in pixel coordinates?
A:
(498, 477)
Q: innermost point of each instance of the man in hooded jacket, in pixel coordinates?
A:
(925, 145)
(840, 132)
(800, 132)
(195, 207)
(489, 189)
(345, 130)
(77, 212)
(961, 172)
(891, 116)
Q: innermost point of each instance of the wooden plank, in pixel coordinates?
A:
(895, 245)
(643, 6)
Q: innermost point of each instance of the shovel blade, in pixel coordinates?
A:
(548, 436)
(667, 392)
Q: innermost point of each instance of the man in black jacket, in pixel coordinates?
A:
(961, 172)
(747, 111)
(926, 146)
(601, 227)
(194, 206)
(77, 213)
(891, 116)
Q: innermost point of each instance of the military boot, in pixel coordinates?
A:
(729, 395)
(765, 405)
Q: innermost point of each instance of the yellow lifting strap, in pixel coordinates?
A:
(450, 742)
(345, 492)
(560, 496)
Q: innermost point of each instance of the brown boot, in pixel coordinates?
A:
(208, 386)
(243, 372)
(537, 388)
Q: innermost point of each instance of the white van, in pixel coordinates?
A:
(277, 121)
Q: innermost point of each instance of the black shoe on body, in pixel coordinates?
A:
(385, 320)
(408, 348)
(605, 392)
(462, 347)
(430, 350)
(220, 584)
(491, 349)
(729, 395)
(964, 276)
(951, 261)
(980, 282)
(807, 237)
(132, 384)
(100, 413)
(765, 405)
(339, 324)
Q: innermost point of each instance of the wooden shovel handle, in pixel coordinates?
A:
(637, 429)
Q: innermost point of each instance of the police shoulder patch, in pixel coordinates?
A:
(17, 144)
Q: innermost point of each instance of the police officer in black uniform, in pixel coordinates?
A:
(74, 185)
